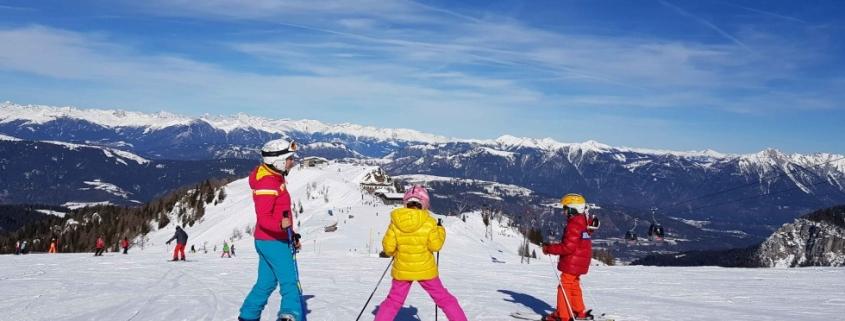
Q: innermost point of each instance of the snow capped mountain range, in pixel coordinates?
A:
(28, 115)
(774, 187)
(39, 114)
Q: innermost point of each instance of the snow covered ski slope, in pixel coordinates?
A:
(339, 270)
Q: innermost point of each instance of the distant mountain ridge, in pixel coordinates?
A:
(59, 173)
(687, 185)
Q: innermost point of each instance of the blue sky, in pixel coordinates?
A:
(733, 76)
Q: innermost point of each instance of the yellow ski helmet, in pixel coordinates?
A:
(574, 201)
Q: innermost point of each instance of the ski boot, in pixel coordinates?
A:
(550, 317)
(585, 316)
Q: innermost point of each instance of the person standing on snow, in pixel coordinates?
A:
(99, 246)
(411, 238)
(273, 218)
(181, 238)
(125, 245)
(232, 249)
(17, 247)
(53, 248)
(576, 252)
(225, 250)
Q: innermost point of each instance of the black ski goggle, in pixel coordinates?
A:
(570, 210)
(414, 205)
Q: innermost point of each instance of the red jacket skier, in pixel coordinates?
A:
(99, 246)
(125, 245)
(576, 251)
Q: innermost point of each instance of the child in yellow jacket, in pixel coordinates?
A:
(412, 237)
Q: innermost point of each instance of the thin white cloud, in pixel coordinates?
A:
(15, 8)
(76, 56)
(766, 13)
(706, 23)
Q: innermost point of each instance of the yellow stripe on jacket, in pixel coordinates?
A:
(412, 237)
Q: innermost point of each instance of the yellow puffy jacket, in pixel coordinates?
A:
(412, 237)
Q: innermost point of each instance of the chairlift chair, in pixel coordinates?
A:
(655, 231)
(631, 235)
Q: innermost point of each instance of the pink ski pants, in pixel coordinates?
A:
(399, 291)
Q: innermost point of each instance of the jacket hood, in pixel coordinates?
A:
(408, 220)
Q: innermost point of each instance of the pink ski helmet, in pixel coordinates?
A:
(416, 193)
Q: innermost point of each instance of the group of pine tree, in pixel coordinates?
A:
(78, 230)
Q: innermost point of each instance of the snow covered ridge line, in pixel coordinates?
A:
(39, 114)
(117, 154)
(9, 138)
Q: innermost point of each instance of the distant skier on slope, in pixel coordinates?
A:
(99, 246)
(576, 251)
(225, 250)
(181, 238)
(412, 237)
(273, 218)
(125, 245)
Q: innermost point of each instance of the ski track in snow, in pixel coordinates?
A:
(339, 270)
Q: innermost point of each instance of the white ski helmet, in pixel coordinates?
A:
(275, 152)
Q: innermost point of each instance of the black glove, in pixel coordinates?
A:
(296, 237)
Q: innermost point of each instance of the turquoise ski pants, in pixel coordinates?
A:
(275, 267)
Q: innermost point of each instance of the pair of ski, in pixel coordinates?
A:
(537, 317)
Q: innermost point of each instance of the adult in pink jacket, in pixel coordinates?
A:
(274, 217)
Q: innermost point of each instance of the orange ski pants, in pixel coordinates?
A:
(572, 286)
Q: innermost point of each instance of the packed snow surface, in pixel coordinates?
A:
(339, 270)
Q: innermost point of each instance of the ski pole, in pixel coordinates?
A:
(562, 289)
(292, 246)
(376, 288)
(437, 262)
